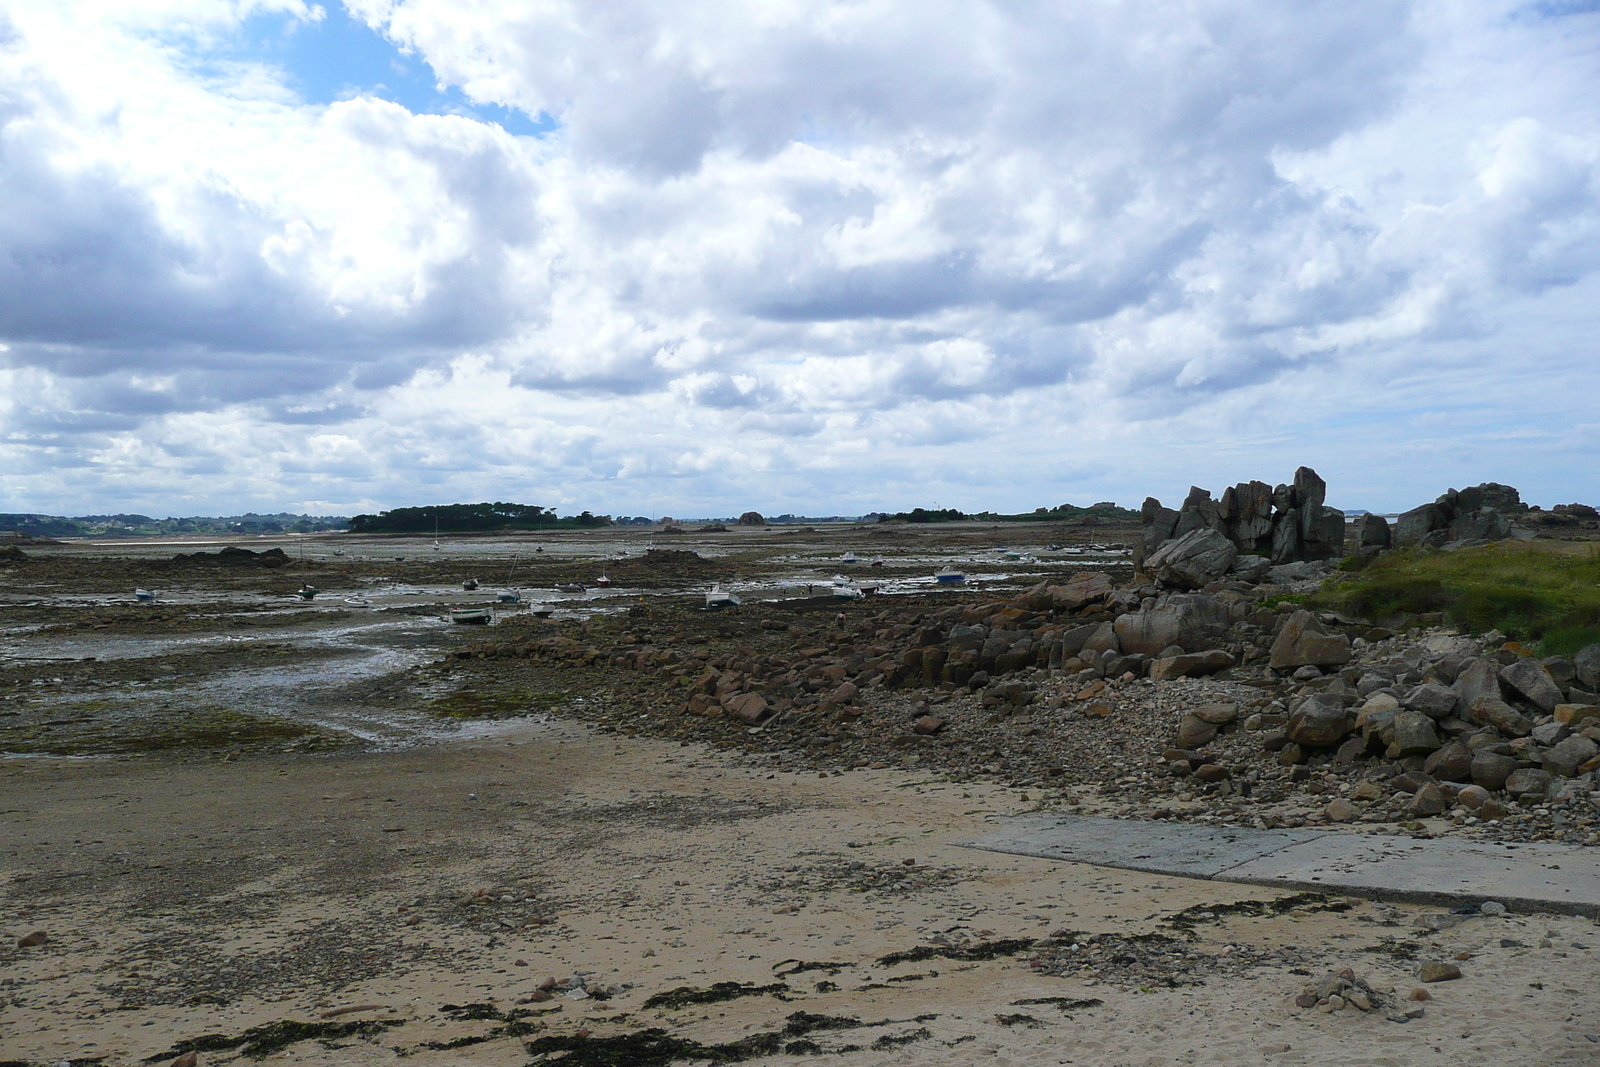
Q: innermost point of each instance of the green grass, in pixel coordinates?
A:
(1531, 591)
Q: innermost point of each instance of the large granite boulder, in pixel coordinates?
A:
(1303, 642)
(1586, 664)
(1192, 560)
(1192, 621)
(1319, 721)
(1530, 678)
(1372, 531)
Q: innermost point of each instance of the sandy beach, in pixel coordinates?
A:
(186, 899)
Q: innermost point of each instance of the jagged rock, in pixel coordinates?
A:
(1476, 680)
(748, 708)
(1298, 571)
(1193, 622)
(1529, 677)
(1189, 665)
(1081, 590)
(1525, 781)
(1195, 732)
(1586, 664)
(1491, 769)
(1565, 757)
(1220, 714)
(1303, 641)
(1452, 763)
(1492, 711)
(1318, 721)
(1251, 569)
(1428, 800)
(1432, 699)
(752, 518)
(1414, 735)
(1192, 560)
(1103, 640)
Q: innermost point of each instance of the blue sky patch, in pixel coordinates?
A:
(341, 57)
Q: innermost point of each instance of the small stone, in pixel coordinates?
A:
(1211, 772)
(1220, 714)
(927, 725)
(1493, 808)
(1333, 1003)
(1359, 1000)
(1193, 732)
(1429, 800)
(1307, 998)
(1492, 907)
(33, 940)
(1419, 993)
(188, 1059)
(1438, 971)
(1472, 797)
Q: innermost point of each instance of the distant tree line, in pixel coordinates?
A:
(471, 518)
(127, 525)
(1102, 512)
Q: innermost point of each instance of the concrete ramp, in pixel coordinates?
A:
(1444, 871)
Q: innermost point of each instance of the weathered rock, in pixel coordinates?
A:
(752, 518)
(1527, 780)
(1577, 716)
(1438, 971)
(1302, 641)
(1428, 800)
(928, 725)
(1372, 531)
(1193, 731)
(1191, 621)
(844, 693)
(1565, 757)
(1493, 808)
(1529, 677)
(1491, 769)
(1190, 665)
(1414, 735)
(748, 708)
(1414, 526)
(1103, 640)
(1492, 711)
(1550, 733)
(1472, 797)
(33, 940)
(1211, 772)
(1452, 763)
(1221, 714)
(1090, 587)
(1294, 571)
(1190, 561)
(1476, 680)
(1251, 569)
(1586, 664)
(1341, 810)
(1318, 721)
(1479, 524)
(1432, 699)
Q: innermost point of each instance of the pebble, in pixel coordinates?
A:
(33, 940)
(1492, 907)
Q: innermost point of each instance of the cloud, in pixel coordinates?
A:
(1037, 251)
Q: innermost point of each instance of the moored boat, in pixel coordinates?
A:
(949, 576)
(602, 581)
(307, 592)
(849, 557)
(844, 589)
(508, 596)
(717, 597)
(145, 596)
(569, 587)
(471, 616)
(470, 584)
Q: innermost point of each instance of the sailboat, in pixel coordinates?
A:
(602, 581)
(717, 598)
(509, 595)
(949, 576)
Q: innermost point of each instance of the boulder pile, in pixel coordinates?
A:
(1479, 513)
(1252, 527)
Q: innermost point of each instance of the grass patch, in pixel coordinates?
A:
(107, 733)
(1531, 591)
(494, 704)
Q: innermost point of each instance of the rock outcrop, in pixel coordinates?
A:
(1282, 524)
(1478, 513)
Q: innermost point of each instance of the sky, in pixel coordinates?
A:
(809, 256)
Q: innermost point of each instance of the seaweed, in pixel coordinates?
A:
(1187, 919)
(831, 967)
(719, 992)
(888, 1041)
(1063, 1003)
(983, 950)
(1018, 1019)
(259, 1042)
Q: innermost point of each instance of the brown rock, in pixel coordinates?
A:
(748, 708)
(1472, 797)
(1491, 769)
(1211, 772)
(1576, 715)
(1492, 711)
(1306, 998)
(1190, 665)
(1452, 763)
(1428, 800)
(1341, 810)
(188, 1059)
(928, 725)
(1193, 732)
(1302, 642)
(1438, 971)
(33, 940)
(1220, 714)
(1493, 808)
(1318, 721)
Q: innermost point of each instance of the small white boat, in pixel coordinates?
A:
(717, 597)
(358, 601)
(145, 596)
(876, 563)
(541, 611)
(1012, 554)
(844, 589)
(569, 587)
(602, 581)
(471, 616)
(849, 557)
(949, 576)
(509, 596)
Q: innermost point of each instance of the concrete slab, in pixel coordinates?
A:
(1445, 871)
(1156, 847)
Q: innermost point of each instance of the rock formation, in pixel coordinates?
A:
(1285, 524)
(1474, 514)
